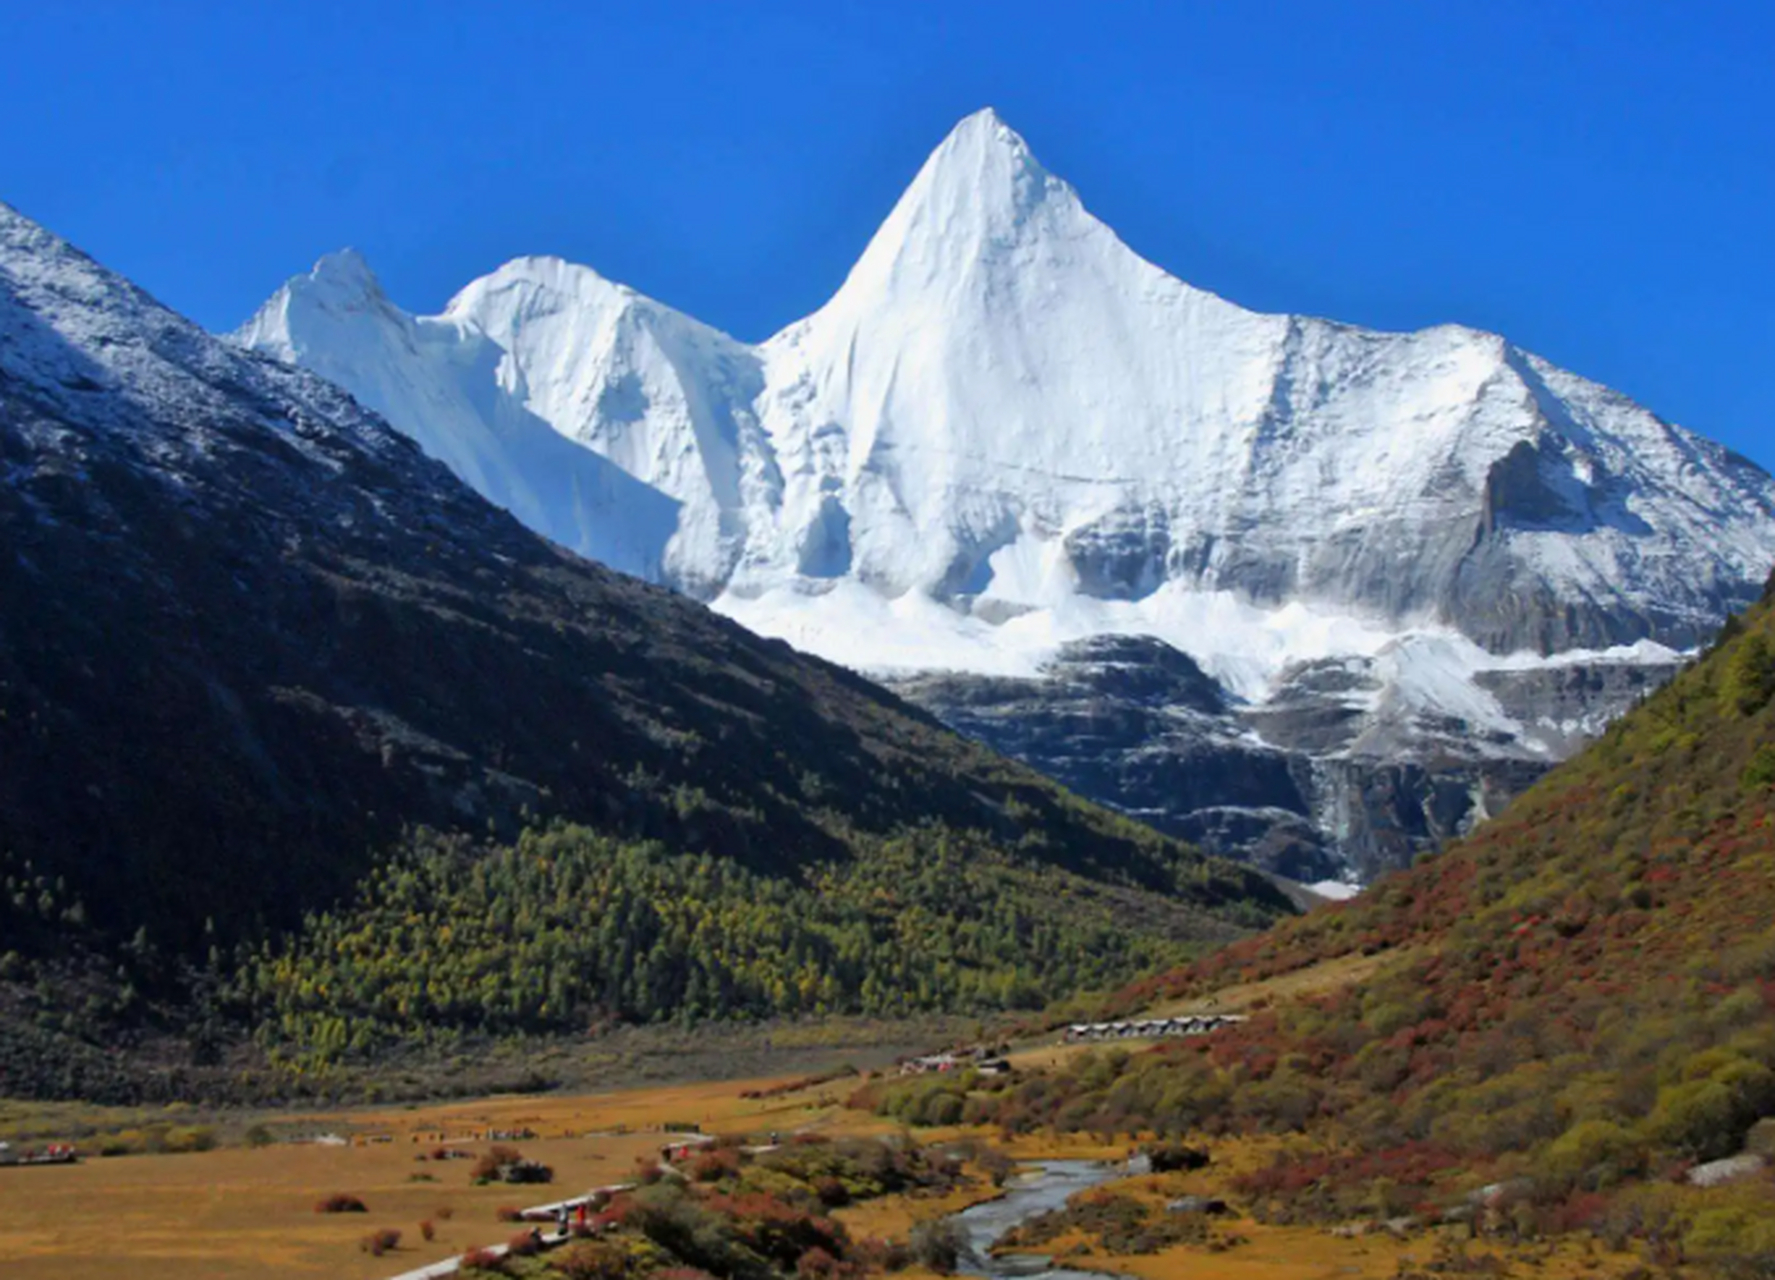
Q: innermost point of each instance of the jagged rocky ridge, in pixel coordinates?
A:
(249, 633)
(1006, 432)
(1290, 785)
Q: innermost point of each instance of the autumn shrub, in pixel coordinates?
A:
(1594, 1154)
(927, 1100)
(1175, 1157)
(443, 1212)
(380, 1242)
(1707, 1115)
(713, 1165)
(178, 1139)
(818, 1264)
(525, 1244)
(427, 1231)
(938, 1245)
(1122, 1223)
(490, 1166)
(508, 1213)
(778, 1232)
(340, 1202)
(482, 1260)
(881, 1255)
(590, 1260)
(689, 1231)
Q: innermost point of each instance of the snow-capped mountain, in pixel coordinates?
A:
(1007, 432)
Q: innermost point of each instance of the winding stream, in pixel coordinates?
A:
(1024, 1198)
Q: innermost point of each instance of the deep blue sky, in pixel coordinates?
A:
(1594, 180)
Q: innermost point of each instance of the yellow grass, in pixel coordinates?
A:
(893, 1217)
(1318, 979)
(250, 1213)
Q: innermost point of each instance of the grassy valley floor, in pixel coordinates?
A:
(239, 1211)
(236, 1212)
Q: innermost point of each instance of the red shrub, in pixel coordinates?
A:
(492, 1166)
(380, 1242)
(524, 1245)
(480, 1259)
(1579, 1212)
(817, 1264)
(508, 1213)
(779, 1231)
(427, 1230)
(713, 1166)
(339, 1202)
(591, 1262)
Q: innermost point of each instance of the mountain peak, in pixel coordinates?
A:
(986, 164)
(538, 281)
(344, 275)
(340, 288)
(979, 193)
(988, 126)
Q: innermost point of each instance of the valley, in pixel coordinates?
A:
(551, 750)
(245, 1207)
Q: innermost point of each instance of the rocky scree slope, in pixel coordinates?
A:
(1006, 432)
(248, 634)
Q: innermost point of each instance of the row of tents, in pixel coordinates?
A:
(1196, 1024)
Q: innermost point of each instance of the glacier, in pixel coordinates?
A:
(1006, 432)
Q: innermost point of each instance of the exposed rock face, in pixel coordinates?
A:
(1323, 781)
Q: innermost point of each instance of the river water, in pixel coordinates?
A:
(1024, 1198)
